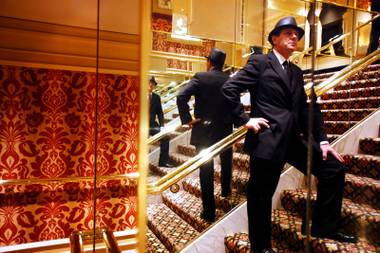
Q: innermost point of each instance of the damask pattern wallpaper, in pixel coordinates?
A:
(47, 128)
(161, 26)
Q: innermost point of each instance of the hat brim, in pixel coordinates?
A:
(300, 31)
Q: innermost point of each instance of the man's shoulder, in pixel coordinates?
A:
(155, 95)
(257, 58)
(210, 74)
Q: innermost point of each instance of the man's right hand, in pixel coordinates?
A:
(194, 121)
(256, 124)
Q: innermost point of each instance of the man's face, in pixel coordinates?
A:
(151, 86)
(286, 41)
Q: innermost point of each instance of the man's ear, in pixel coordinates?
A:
(274, 39)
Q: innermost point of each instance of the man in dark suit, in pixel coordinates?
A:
(155, 113)
(277, 133)
(209, 126)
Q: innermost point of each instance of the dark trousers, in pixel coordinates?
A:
(374, 37)
(330, 31)
(206, 174)
(263, 182)
(164, 146)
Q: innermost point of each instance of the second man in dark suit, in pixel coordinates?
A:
(156, 113)
(208, 127)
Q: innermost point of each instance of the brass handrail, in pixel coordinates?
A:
(343, 74)
(131, 176)
(195, 162)
(166, 130)
(298, 55)
(174, 89)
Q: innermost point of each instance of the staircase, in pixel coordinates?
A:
(175, 221)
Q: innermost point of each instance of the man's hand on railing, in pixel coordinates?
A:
(256, 123)
(194, 121)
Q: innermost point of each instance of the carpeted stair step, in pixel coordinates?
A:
(362, 190)
(239, 243)
(193, 186)
(370, 146)
(363, 165)
(286, 237)
(359, 219)
(338, 127)
(188, 207)
(178, 159)
(346, 114)
(239, 146)
(352, 93)
(188, 150)
(358, 84)
(286, 230)
(355, 103)
(154, 245)
(169, 228)
(239, 179)
(160, 171)
(332, 137)
(240, 161)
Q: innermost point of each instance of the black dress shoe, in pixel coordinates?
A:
(338, 236)
(207, 217)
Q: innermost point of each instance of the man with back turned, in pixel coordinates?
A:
(277, 133)
(208, 126)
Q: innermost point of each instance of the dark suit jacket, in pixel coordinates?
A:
(205, 86)
(276, 98)
(156, 112)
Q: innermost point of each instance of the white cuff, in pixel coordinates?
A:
(323, 143)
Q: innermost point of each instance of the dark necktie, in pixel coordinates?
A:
(288, 72)
(286, 66)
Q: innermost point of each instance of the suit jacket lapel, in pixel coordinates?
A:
(279, 70)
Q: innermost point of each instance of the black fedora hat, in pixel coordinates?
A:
(217, 57)
(153, 80)
(287, 22)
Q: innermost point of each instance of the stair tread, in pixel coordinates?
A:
(193, 186)
(178, 158)
(286, 233)
(325, 101)
(349, 110)
(239, 178)
(363, 190)
(188, 207)
(172, 231)
(349, 207)
(363, 165)
(288, 226)
(154, 245)
(340, 122)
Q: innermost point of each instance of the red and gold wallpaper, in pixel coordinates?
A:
(162, 27)
(47, 131)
